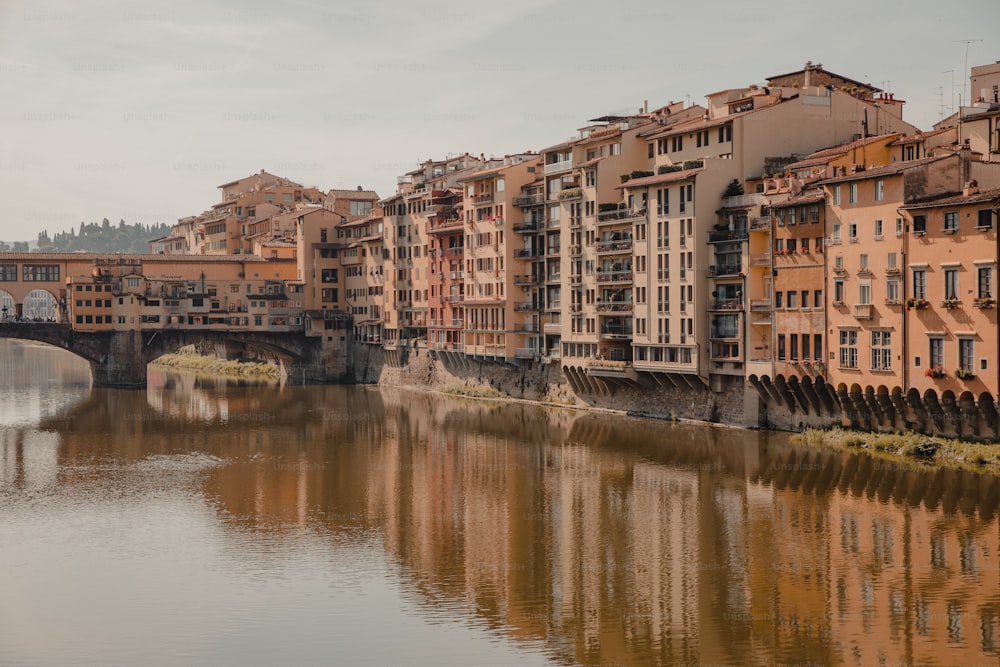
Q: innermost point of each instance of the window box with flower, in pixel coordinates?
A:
(964, 374)
(935, 372)
(951, 303)
(985, 303)
(917, 304)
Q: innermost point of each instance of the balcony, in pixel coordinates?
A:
(530, 200)
(616, 333)
(620, 215)
(761, 224)
(456, 275)
(623, 246)
(552, 328)
(526, 226)
(526, 353)
(525, 306)
(744, 201)
(483, 198)
(727, 235)
(456, 298)
(553, 278)
(863, 311)
(614, 277)
(725, 269)
(570, 194)
(574, 250)
(760, 306)
(524, 279)
(607, 367)
(553, 305)
(620, 307)
(526, 253)
(727, 304)
(555, 167)
(760, 260)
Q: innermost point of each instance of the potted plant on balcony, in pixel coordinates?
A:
(964, 374)
(935, 372)
(917, 304)
(951, 303)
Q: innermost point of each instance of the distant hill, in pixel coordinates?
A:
(94, 237)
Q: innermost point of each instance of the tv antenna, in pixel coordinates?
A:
(965, 71)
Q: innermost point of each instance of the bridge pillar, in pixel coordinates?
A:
(121, 363)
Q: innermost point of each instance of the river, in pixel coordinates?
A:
(204, 522)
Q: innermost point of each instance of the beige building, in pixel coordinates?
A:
(498, 324)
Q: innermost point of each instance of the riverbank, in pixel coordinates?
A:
(209, 365)
(913, 448)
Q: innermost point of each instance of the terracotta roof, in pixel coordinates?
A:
(840, 149)
(660, 178)
(810, 198)
(834, 74)
(992, 195)
(591, 163)
(889, 169)
(85, 256)
(354, 194)
(918, 137)
(565, 144)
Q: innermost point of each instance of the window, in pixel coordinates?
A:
(985, 282)
(864, 293)
(984, 219)
(852, 232)
(920, 224)
(951, 222)
(890, 261)
(878, 230)
(864, 262)
(793, 299)
(852, 193)
(814, 213)
(361, 207)
(818, 298)
(899, 226)
(848, 348)
(892, 291)
(836, 195)
(40, 272)
(951, 283)
(779, 299)
(8, 272)
(805, 298)
(818, 346)
(781, 347)
(881, 350)
(805, 346)
(793, 346)
(838, 292)
(919, 283)
(879, 190)
(936, 352)
(965, 355)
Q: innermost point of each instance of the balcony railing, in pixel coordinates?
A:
(525, 279)
(526, 226)
(620, 215)
(862, 311)
(615, 246)
(616, 333)
(739, 201)
(574, 249)
(727, 304)
(456, 298)
(530, 200)
(615, 307)
(483, 198)
(554, 167)
(526, 253)
(761, 224)
(725, 269)
(526, 353)
(760, 305)
(525, 306)
(724, 235)
(614, 277)
(760, 260)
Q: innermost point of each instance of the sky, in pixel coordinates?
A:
(139, 111)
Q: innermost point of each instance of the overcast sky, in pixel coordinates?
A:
(124, 109)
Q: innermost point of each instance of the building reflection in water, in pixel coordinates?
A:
(607, 540)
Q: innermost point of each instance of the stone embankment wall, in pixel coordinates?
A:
(549, 383)
(786, 405)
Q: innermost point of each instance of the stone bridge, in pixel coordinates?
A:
(119, 358)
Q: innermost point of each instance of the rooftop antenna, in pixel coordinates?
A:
(952, 72)
(965, 71)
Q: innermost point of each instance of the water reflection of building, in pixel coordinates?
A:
(627, 543)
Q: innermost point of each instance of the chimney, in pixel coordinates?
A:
(970, 188)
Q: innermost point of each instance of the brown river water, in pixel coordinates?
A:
(205, 522)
